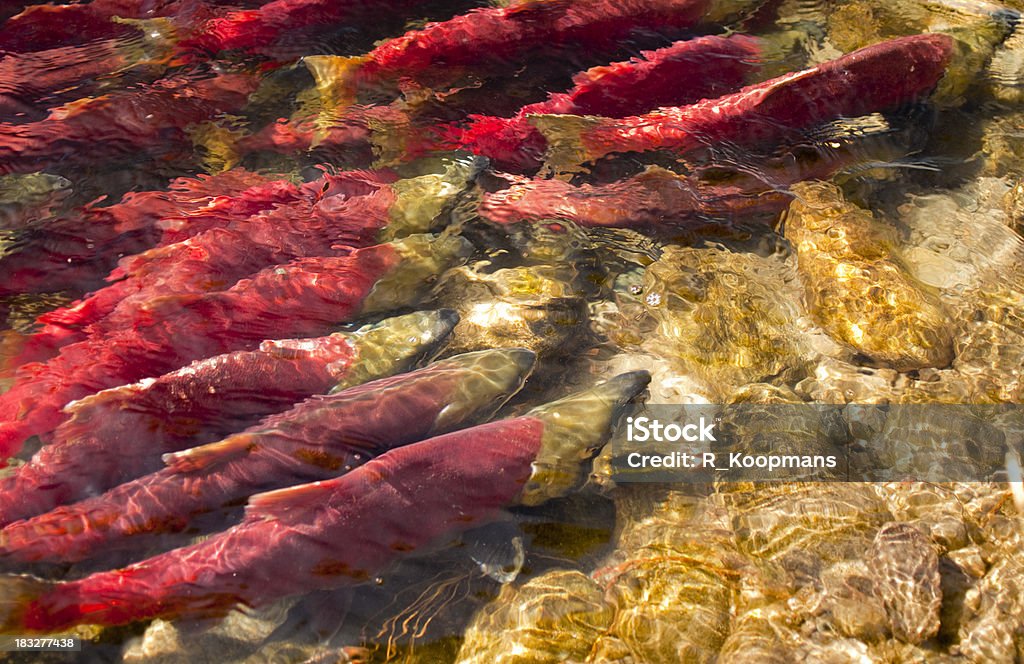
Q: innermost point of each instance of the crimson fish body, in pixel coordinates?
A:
(350, 211)
(216, 258)
(46, 26)
(682, 73)
(240, 197)
(228, 207)
(875, 78)
(153, 120)
(279, 20)
(678, 74)
(302, 298)
(315, 440)
(212, 246)
(440, 55)
(73, 251)
(119, 434)
(331, 533)
(503, 34)
(338, 531)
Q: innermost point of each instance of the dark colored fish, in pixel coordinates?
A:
(751, 188)
(303, 298)
(119, 434)
(45, 26)
(654, 197)
(338, 531)
(262, 28)
(31, 83)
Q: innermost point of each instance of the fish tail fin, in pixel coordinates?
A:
(217, 142)
(566, 151)
(337, 82)
(17, 595)
(155, 43)
(394, 139)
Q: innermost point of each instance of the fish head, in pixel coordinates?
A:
(419, 201)
(487, 379)
(574, 429)
(397, 344)
(419, 259)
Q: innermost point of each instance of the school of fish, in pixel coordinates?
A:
(322, 320)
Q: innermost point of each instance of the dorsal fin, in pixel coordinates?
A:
(275, 504)
(206, 456)
(526, 6)
(337, 84)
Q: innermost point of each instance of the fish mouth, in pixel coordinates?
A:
(431, 333)
(523, 359)
(628, 387)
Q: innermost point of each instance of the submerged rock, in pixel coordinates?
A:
(856, 291)
(905, 568)
(671, 581)
(940, 443)
(720, 315)
(529, 307)
(550, 619)
(761, 636)
(992, 629)
(1002, 144)
(960, 244)
(796, 529)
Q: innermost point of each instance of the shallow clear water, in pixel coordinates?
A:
(848, 237)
